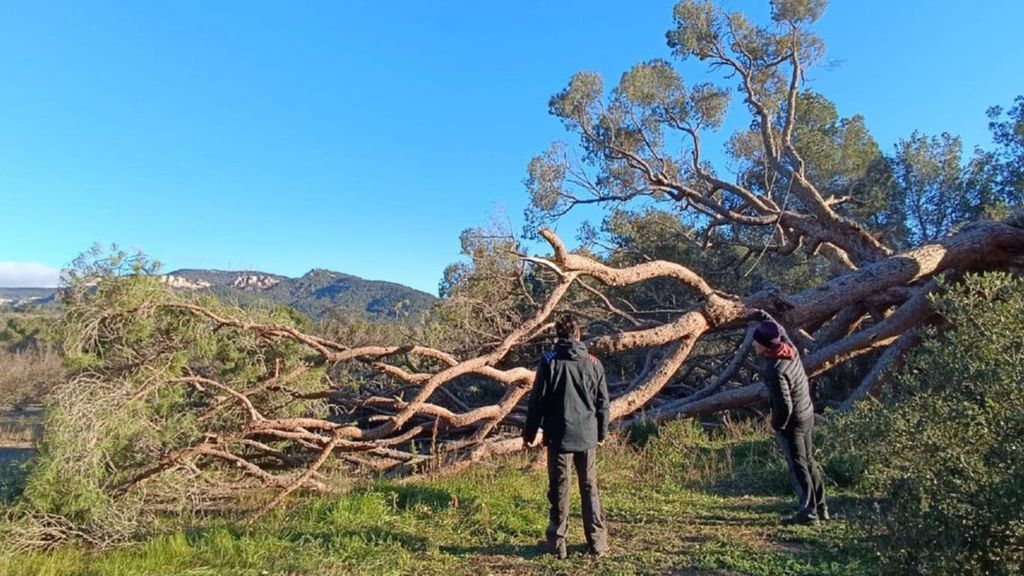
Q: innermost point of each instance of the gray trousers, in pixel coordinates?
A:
(558, 496)
(796, 443)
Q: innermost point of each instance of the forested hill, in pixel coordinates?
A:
(315, 293)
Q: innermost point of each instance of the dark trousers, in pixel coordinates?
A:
(558, 496)
(798, 446)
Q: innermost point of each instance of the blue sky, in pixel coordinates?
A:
(365, 136)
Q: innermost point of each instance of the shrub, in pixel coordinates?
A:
(945, 450)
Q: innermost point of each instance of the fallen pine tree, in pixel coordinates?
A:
(180, 402)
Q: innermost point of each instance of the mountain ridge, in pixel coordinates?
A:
(316, 293)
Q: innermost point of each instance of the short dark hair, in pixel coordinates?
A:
(567, 327)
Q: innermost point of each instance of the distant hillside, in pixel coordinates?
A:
(314, 294)
(26, 296)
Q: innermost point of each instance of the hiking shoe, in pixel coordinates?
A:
(800, 519)
(558, 550)
(594, 553)
(553, 549)
(822, 514)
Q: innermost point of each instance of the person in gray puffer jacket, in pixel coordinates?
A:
(569, 401)
(792, 417)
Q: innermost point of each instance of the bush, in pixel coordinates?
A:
(946, 448)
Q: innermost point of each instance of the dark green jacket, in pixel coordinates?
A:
(569, 399)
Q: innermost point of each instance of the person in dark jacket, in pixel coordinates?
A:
(792, 417)
(569, 401)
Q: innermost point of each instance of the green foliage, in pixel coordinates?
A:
(579, 99)
(545, 179)
(639, 145)
(485, 297)
(1006, 162)
(930, 188)
(840, 154)
(946, 450)
(14, 470)
(123, 410)
(705, 31)
(698, 27)
(19, 331)
(797, 11)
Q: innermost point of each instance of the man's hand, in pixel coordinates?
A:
(757, 314)
(527, 444)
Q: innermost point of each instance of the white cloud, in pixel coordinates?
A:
(27, 275)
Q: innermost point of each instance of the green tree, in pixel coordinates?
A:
(803, 174)
(487, 295)
(805, 196)
(1008, 157)
(931, 188)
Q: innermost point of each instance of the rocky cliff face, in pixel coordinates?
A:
(250, 281)
(182, 283)
(254, 282)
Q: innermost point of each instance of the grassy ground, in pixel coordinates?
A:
(677, 503)
(20, 428)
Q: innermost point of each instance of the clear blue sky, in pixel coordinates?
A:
(364, 136)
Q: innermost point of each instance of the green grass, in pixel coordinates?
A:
(680, 504)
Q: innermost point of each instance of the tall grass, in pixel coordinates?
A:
(27, 375)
